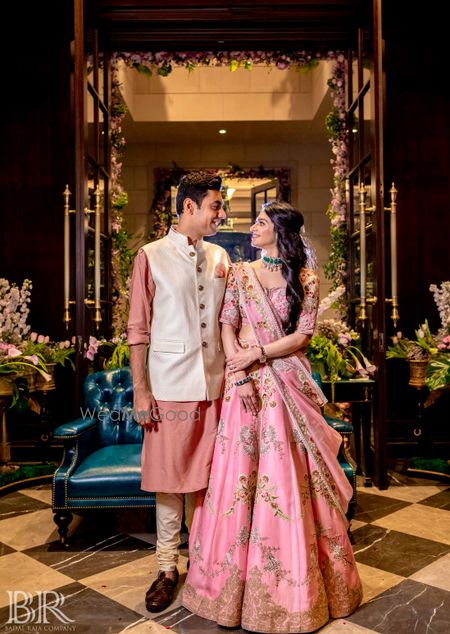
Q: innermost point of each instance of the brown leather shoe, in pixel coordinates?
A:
(160, 594)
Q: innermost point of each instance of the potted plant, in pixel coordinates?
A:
(115, 351)
(334, 352)
(417, 352)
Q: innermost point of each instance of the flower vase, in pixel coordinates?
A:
(6, 384)
(417, 371)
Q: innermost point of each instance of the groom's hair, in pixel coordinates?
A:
(195, 186)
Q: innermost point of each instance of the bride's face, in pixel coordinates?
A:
(263, 232)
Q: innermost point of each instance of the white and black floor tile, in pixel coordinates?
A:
(401, 542)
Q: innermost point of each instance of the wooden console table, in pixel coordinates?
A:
(360, 394)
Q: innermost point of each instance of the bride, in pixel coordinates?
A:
(269, 549)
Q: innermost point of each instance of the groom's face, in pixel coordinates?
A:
(209, 215)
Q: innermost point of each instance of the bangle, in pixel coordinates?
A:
(243, 381)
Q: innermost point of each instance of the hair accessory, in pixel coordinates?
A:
(311, 257)
(273, 264)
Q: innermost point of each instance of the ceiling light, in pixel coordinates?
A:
(222, 131)
(230, 192)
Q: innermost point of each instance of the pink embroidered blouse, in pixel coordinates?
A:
(234, 314)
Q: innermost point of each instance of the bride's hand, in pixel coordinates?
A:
(248, 397)
(241, 359)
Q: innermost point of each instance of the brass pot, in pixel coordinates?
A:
(6, 388)
(7, 380)
(417, 371)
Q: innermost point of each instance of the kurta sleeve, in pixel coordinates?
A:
(307, 319)
(230, 308)
(142, 291)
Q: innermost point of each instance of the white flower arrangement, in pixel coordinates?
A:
(328, 301)
(441, 295)
(14, 311)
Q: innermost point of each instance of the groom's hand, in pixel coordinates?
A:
(146, 410)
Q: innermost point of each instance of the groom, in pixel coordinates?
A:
(177, 364)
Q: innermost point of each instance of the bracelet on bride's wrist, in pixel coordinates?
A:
(246, 379)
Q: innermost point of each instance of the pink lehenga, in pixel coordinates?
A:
(269, 548)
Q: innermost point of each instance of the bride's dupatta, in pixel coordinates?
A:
(320, 441)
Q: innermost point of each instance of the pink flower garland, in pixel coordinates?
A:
(162, 62)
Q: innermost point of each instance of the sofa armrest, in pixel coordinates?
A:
(74, 429)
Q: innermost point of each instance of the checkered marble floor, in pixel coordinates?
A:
(401, 543)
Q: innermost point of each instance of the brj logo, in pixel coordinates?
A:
(49, 601)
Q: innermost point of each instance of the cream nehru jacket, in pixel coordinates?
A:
(185, 359)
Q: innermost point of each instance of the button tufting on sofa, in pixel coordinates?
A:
(101, 467)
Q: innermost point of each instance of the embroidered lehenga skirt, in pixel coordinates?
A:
(269, 549)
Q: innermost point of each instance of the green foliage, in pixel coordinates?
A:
(422, 347)
(326, 358)
(121, 201)
(335, 362)
(120, 356)
(336, 265)
(438, 372)
(333, 123)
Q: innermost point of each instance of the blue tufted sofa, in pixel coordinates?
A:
(101, 466)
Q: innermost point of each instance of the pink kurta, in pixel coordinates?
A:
(269, 549)
(177, 457)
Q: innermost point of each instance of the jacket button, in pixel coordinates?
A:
(203, 325)
(199, 269)
(192, 253)
(202, 306)
(200, 288)
(205, 344)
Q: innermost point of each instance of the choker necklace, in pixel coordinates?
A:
(273, 264)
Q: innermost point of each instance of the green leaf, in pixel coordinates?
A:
(438, 372)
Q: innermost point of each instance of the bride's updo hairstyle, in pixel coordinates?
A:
(288, 221)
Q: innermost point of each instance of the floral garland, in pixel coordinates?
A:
(336, 267)
(162, 63)
(166, 178)
(121, 255)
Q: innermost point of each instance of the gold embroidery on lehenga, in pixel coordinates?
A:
(318, 487)
(225, 609)
(244, 492)
(266, 493)
(248, 439)
(221, 439)
(339, 551)
(268, 439)
(260, 613)
(343, 599)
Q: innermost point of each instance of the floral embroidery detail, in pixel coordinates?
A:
(230, 308)
(343, 597)
(244, 492)
(318, 487)
(209, 496)
(283, 364)
(229, 386)
(339, 551)
(267, 391)
(269, 439)
(226, 608)
(307, 319)
(266, 493)
(221, 439)
(248, 438)
(273, 565)
(260, 610)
